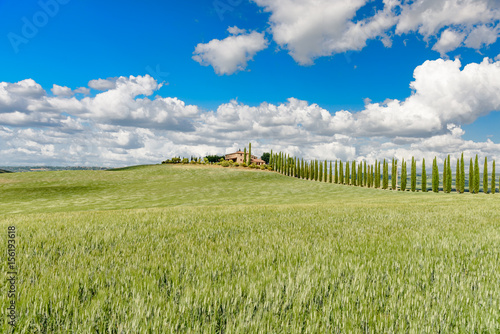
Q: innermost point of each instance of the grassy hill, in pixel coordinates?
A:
(192, 248)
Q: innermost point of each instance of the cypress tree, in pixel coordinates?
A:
(404, 175)
(424, 177)
(413, 174)
(445, 174)
(458, 184)
(347, 179)
(493, 184)
(249, 153)
(471, 177)
(320, 172)
(311, 170)
(377, 174)
(385, 175)
(316, 170)
(448, 176)
(394, 174)
(435, 176)
(476, 175)
(271, 158)
(485, 176)
(341, 172)
(330, 176)
(304, 163)
(462, 174)
(370, 171)
(336, 173)
(365, 179)
(353, 173)
(360, 174)
(287, 165)
(325, 171)
(245, 155)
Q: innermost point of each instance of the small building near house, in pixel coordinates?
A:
(239, 158)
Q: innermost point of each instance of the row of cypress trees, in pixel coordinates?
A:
(377, 175)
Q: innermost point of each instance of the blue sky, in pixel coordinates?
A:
(313, 55)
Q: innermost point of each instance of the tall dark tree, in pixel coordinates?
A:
(330, 175)
(424, 177)
(448, 175)
(249, 153)
(370, 176)
(245, 155)
(458, 177)
(485, 176)
(341, 172)
(316, 171)
(336, 173)
(462, 174)
(476, 175)
(347, 171)
(404, 175)
(471, 177)
(435, 176)
(413, 184)
(365, 176)
(394, 174)
(360, 174)
(325, 171)
(320, 172)
(445, 175)
(493, 184)
(353, 173)
(385, 177)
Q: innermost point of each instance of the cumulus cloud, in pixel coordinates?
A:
(448, 41)
(314, 28)
(61, 91)
(127, 124)
(231, 54)
(309, 29)
(102, 84)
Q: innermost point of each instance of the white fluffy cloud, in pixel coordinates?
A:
(61, 91)
(309, 29)
(448, 41)
(231, 54)
(314, 28)
(123, 125)
(103, 84)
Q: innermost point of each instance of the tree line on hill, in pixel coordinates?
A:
(377, 175)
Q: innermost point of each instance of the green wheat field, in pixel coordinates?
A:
(196, 249)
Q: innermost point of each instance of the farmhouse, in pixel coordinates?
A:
(239, 157)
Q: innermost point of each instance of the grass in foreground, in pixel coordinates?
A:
(344, 260)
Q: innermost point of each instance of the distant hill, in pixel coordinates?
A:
(15, 169)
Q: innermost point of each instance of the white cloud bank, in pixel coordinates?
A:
(309, 29)
(231, 54)
(127, 124)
